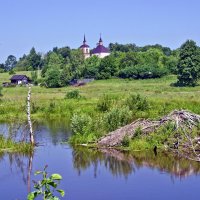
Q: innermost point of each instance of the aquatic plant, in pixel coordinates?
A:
(9, 145)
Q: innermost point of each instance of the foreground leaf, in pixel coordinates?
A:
(56, 177)
(62, 192)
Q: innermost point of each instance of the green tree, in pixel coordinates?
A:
(52, 60)
(151, 57)
(34, 77)
(10, 63)
(108, 68)
(166, 50)
(23, 64)
(188, 64)
(2, 68)
(77, 63)
(34, 59)
(52, 77)
(171, 64)
(66, 76)
(129, 59)
(91, 67)
(65, 52)
(55, 60)
(122, 47)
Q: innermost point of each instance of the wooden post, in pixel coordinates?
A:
(29, 116)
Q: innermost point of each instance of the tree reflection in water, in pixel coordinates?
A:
(83, 158)
(125, 163)
(22, 163)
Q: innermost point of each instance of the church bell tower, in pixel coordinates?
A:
(85, 48)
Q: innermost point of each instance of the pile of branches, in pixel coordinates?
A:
(184, 122)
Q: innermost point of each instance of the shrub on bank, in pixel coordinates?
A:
(81, 124)
(74, 94)
(117, 117)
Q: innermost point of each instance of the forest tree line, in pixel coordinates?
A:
(60, 66)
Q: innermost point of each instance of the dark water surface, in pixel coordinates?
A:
(92, 175)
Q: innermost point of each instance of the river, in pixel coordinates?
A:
(92, 175)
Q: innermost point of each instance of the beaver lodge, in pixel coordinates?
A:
(184, 122)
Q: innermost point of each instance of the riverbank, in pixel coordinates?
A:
(9, 145)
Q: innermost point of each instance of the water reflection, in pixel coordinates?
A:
(83, 158)
(46, 131)
(72, 163)
(125, 163)
(20, 163)
(119, 163)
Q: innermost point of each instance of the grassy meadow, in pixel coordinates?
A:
(162, 96)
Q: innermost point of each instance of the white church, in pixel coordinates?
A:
(99, 51)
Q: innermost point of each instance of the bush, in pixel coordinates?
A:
(116, 118)
(126, 141)
(81, 124)
(34, 107)
(2, 70)
(107, 68)
(52, 78)
(34, 77)
(137, 102)
(51, 107)
(104, 103)
(74, 94)
(11, 72)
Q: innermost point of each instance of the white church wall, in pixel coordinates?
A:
(101, 55)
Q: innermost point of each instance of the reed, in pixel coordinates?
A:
(8, 145)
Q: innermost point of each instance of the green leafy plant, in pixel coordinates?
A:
(126, 141)
(47, 186)
(74, 94)
(137, 102)
(11, 72)
(81, 124)
(117, 117)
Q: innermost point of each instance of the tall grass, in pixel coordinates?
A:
(9, 145)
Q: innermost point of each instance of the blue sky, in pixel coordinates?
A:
(45, 24)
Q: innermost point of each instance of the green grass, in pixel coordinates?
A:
(51, 102)
(5, 77)
(8, 145)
